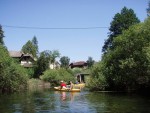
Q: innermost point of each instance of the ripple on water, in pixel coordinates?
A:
(83, 102)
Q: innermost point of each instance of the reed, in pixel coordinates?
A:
(34, 84)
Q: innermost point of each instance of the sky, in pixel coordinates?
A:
(77, 44)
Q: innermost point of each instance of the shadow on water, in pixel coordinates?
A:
(119, 102)
(49, 101)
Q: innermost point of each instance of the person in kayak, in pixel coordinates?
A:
(71, 85)
(63, 85)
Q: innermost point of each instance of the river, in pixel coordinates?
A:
(49, 101)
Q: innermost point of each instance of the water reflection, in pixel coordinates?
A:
(63, 96)
(72, 94)
(66, 96)
(118, 102)
(47, 101)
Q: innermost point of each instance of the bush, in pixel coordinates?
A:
(76, 70)
(13, 77)
(55, 76)
(97, 80)
(30, 72)
(96, 84)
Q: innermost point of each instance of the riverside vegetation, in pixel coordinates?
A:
(13, 77)
(125, 65)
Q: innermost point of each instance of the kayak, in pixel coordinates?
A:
(80, 85)
(68, 90)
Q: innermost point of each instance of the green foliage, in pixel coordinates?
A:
(76, 70)
(42, 63)
(121, 22)
(127, 65)
(29, 48)
(54, 54)
(30, 72)
(55, 76)
(1, 35)
(90, 62)
(13, 77)
(64, 61)
(97, 80)
(35, 44)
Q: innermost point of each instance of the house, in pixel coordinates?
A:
(82, 77)
(26, 60)
(56, 65)
(80, 64)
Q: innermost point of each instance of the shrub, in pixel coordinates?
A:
(30, 72)
(13, 77)
(55, 76)
(97, 80)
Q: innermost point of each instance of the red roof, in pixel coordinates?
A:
(78, 63)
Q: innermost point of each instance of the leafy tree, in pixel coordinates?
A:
(97, 80)
(1, 35)
(53, 55)
(13, 76)
(121, 21)
(35, 44)
(42, 63)
(90, 62)
(29, 48)
(64, 61)
(127, 66)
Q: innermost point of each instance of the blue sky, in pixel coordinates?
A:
(77, 44)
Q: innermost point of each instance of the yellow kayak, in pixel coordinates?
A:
(80, 85)
(68, 90)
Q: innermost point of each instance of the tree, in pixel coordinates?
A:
(121, 21)
(64, 61)
(53, 55)
(148, 9)
(13, 76)
(90, 62)
(29, 48)
(1, 35)
(35, 44)
(97, 80)
(127, 66)
(42, 63)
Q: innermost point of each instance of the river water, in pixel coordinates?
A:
(49, 101)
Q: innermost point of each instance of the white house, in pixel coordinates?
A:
(26, 60)
(56, 65)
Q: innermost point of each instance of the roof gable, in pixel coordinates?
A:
(80, 63)
(15, 54)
